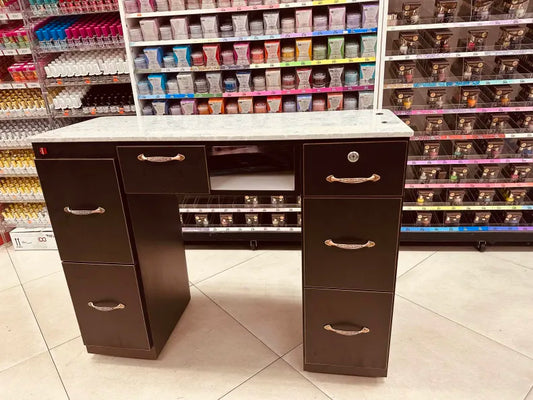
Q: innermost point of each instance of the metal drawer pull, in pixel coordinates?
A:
(99, 210)
(119, 306)
(364, 329)
(177, 157)
(373, 178)
(345, 246)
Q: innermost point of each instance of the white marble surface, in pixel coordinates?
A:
(284, 126)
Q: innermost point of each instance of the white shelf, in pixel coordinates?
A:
(460, 24)
(426, 56)
(282, 6)
(254, 38)
(253, 182)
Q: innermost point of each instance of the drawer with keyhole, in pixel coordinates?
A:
(373, 168)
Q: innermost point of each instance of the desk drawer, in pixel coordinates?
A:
(347, 312)
(380, 165)
(164, 169)
(77, 186)
(352, 222)
(108, 305)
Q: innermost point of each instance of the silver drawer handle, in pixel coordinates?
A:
(342, 332)
(373, 178)
(177, 157)
(345, 246)
(119, 306)
(99, 210)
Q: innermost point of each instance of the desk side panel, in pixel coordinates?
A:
(161, 253)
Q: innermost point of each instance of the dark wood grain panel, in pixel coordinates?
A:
(351, 221)
(86, 184)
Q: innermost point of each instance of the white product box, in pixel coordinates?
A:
(33, 239)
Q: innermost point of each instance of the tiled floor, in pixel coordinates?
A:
(462, 330)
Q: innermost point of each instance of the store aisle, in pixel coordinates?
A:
(461, 330)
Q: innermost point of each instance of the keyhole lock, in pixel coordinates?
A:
(353, 156)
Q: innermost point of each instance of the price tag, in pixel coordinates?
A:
(3, 17)
(18, 85)
(121, 110)
(66, 113)
(115, 79)
(15, 16)
(93, 111)
(87, 81)
(24, 51)
(33, 84)
(5, 85)
(59, 81)
(10, 52)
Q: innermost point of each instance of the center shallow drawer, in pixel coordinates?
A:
(108, 305)
(347, 328)
(85, 206)
(361, 248)
(164, 169)
(355, 168)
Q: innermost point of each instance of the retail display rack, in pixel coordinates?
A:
(461, 74)
(48, 79)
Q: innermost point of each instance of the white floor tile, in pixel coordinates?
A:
(433, 358)
(522, 255)
(265, 295)
(207, 355)
(484, 293)
(410, 256)
(50, 300)
(32, 379)
(7, 271)
(35, 263)
(277, 381)
(20, 338)
(203, 263)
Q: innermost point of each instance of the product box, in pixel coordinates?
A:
(149, 28)
(180, 27)
(209, 26)
(366, 100)
(482, 217)
(304, 102)
(182, 55)
(334, 101)
(188, 106)
(154, 57)
(271, 22)
(273, 79)
(160, 107)
(335, 47)
(246, 105)
(368, 45)
(33, 239)
(186, 82)
(242, 53)
(211, 55)
(240, 25)
(303, 78)
(272, 51)
(274, 104)
(370, 15)
(367, 73)
(337, 18)
(304, 20)
(214, 81)
(303, 49)
(335, 76)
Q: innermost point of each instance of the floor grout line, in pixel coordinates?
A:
(417, 264)
(303, 376)
(227, 269)
(250, 377)
(464, 326)
(512, 262)
(11, 287)
(65, 342)
(236, 320)
(528, 393)
(39, 326)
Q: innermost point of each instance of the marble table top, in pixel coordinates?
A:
(234, 127)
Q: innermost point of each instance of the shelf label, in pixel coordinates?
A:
(115, 78)
(87, 81)
(3, 17)
(24, 51)
(5, 85)
(59, 81)
(18, 85)
(10, 52)
(14, 16)
(33, 84)
(66, 113)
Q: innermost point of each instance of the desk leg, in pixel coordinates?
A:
(161, 254)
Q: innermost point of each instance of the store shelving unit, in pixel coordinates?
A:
(33, 121)
(442, 208)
